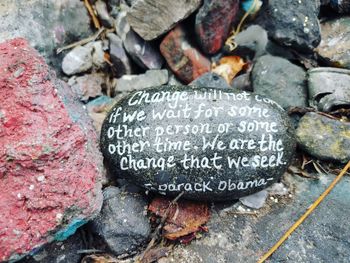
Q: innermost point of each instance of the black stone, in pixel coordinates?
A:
(122, 224)
(195, 116)
(210, 80)
(292, 23)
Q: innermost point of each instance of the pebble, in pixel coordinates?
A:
(255, 201)
(98, 109)
(103, 14)
(181, 55)
(122, 224)
(213, 144)
(328, 88)
(280, 80)
(213, 23)
(324, 138)
(152, 18)
(78, 60)
(87, 86)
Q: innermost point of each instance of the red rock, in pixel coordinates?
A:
(50, 166)
(182, 57)
(213, 23)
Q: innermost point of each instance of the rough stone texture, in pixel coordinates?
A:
(210, 80)
(144, 53)
(120, 60)
(324, 138)
(212, 175)
(59, 252)
(47, 26)
(152, 18)
(122, 223)
(213, 23)
(151, 78)
(102, 12)
(50, 166)
(292, 23)
(245, 238)
(182, 57)
(280, 80)
(98, 49)
(255, 201)
(329, 88)
(87, 86)
(77, 60)
(335, 43)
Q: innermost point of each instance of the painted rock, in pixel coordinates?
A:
(213, 144)
(50, 166)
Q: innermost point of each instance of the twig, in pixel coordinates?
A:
(92, 14)
(155, 234)
(82, 42)
(297, 171)
(305, 215)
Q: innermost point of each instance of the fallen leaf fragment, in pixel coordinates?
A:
(229, 67)
(184, 218)
(156, 253)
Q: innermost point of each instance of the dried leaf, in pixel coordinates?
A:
(229, 67)
(102, 258)
(183, 219)
(154, 254)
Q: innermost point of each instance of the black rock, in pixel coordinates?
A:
(59, 252)
(122, 223)
(341, 6)
(210, 80)
(324, 138)
(120, 60)
(213, 144)
(292, 23)
(280, 80)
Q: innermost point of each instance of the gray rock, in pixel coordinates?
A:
(47, 25)
(292, 23)
(77, 60)
(102, 12)
(122, 223)
(87, 86)
(152, 18)
(245, 238)
(335, 42)
(98, 52)
(173, 80)
(131, 2)
(143, 53)
(280, 80)
(120, 60)
(278, 189)
(255, 201)
(59, 252)
(169, 139)
(210, 80)
(324, 138)
(129, 83)
(329, 88)
(242, 82)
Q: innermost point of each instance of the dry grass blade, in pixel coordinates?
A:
(295, 170)
(92, 14)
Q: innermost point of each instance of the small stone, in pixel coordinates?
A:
(278, 189)
(98, 49)
(122, 223)
(213, 144)
(152, 18)
(144, 53)
(324, 138)
(280, 80)
(242, 82)
(120, 60)
(292, 23)
(87, 86)
(335, 42)
(213, 23)
(210, 80)
(173, 80)
(151, 78)
(59, 252)
(341, 6)
(255, 201)
(98, 109)
(48, 155)
(78, 60)
(102, 12)
(329, 88)
(182, 57)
